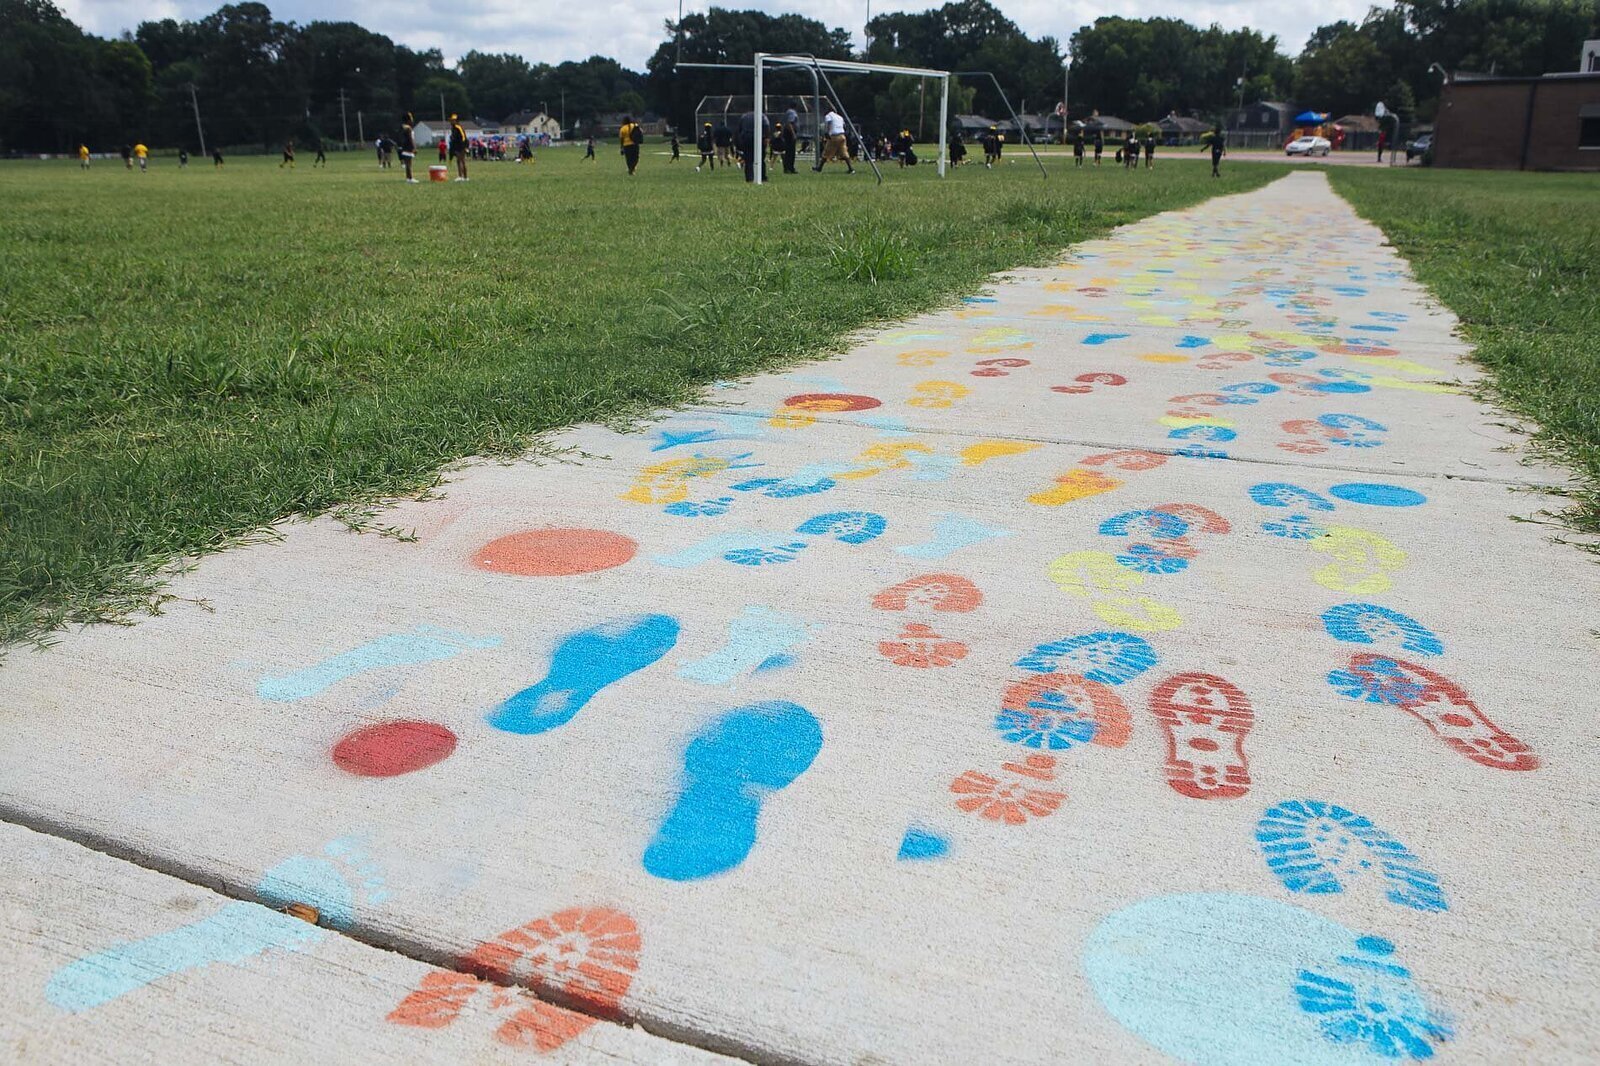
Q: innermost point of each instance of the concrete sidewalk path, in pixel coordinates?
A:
(1149, 659)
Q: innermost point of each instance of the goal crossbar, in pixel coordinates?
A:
(821, 66)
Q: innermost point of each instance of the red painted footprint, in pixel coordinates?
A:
(585, 956)
(1443, 706)
(1206, 719)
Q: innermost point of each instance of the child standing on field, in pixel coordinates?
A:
(1218, 150)
(183, 159)
(288, 155)
(141, 153)
(83, 157)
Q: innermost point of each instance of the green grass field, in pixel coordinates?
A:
(1517, 258)
(191, 356)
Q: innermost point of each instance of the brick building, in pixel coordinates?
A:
(1546, 123)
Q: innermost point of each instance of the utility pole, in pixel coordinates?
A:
(344, 121)
(563, 112)
(361, 130)
(1066, 95)
(195, 100)
(444, 119)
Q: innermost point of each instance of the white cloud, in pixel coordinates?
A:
(630, 30)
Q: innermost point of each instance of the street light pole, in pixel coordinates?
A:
(199, 129)
(344, 121)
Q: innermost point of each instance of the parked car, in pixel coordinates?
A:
(1421, 146)
(1308, 146)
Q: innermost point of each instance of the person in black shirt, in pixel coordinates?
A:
(958, 150)
(674, 158)
(705, 145)
(1218, 150)
(753, 153)
(1149, 149)
(1099, 145)
(1077, 146)
(786, 139)
(902, 149)
(408, 146)
(723, 139)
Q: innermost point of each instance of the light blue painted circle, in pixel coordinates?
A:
(1210, 978)
(1377, 495)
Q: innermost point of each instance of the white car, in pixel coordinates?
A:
(1308, 146)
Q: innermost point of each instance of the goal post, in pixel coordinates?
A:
(821, 67)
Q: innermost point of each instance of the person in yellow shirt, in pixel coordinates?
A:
(141, 153)
(83, 156)
(632, 137)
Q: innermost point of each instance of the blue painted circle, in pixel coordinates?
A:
(1377, 495)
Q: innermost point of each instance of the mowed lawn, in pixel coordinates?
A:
(189, 356)
(1517, 257)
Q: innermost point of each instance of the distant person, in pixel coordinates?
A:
(754, 154)
(632, 137)
(1099, 145)
(382, 161)
(958, 150)
(183, 159)
(216, 158)
(443, 156)
(1130, 151)
(458, 148)
(787, 138)
(408, 145)
(589, 148)
(83, 157)
(991, 147)
(1077, 147)
(836, 146)
(127, 156)
(1149, 149)
(322, 156)
(1219, 148)
(674, 158)
(903, 149)
(706, 146)
(288, 155)
(142, 154)
(1383, 142)
(723, 139)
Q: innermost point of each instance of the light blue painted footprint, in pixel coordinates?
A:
(1102, 338)
(424, 644)
(729, 770)
(236, 933)
(582, 664)
(951, 533)
(921, 845)
(1371, 623)
(1319, 848)
(1235, 980)
(755, 636)
(719, 546)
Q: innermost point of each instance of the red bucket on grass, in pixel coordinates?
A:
(438, 173)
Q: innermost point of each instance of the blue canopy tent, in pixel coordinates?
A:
(1311, 118)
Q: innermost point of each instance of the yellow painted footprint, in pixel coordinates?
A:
(1075, 484)
(1106, 584)
(1362, 561)
(937, 394)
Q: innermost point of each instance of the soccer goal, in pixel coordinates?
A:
(821, 67)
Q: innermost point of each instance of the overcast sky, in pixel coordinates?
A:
(629, 30)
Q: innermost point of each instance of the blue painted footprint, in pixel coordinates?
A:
(424, 644)
(1107, 657)
(1235, 980)
(756, 637)
(582, 664)
(922, 845)
(727, 771)
(1320, 848)
(236, 933)
(1370, 623)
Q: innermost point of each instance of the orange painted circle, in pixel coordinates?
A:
(831, 401)
(554, 552)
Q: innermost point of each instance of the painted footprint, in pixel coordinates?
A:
(756, 636)
(424, 644)
(1099, 578)
(986, 450)
(951, 533)
(1439, 703)
(1236, 980)
(1061, 711)
(1369, 1000)
(936, 395)
(1075, 484)
(583, 956)
(1011, 799)
(1206, 719)
(1362, 561)
(1370, 623)
(1107, 658)
(747, 546)
(932, 592)
(1321, 848)
(729, 769)
(236, 933)
(920, 647)
(582, 664)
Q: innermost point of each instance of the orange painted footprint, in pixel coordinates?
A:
(585, 956)
(919, 645)
(1206, 719)
(1013, 798)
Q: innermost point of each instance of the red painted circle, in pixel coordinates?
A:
(390, 749)
(831, 401)
(555, 552)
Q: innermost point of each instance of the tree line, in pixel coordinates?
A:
(258, 80)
